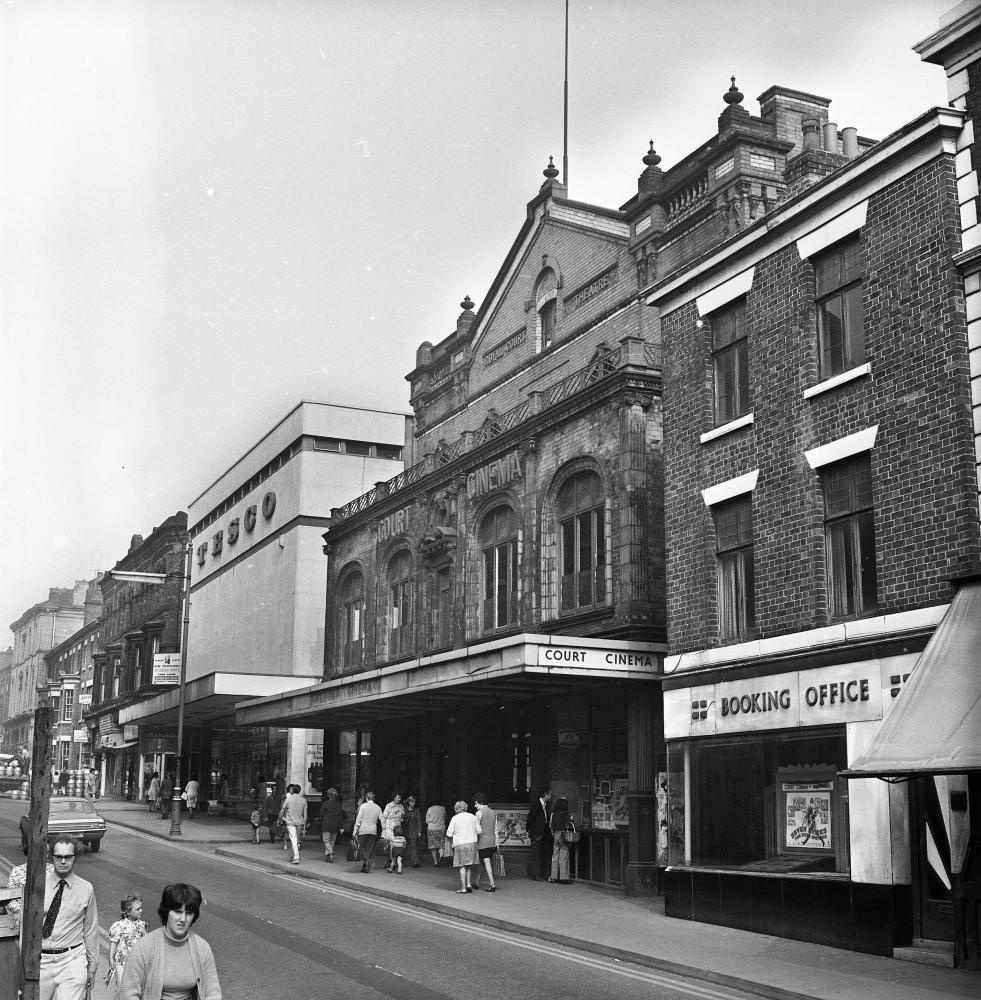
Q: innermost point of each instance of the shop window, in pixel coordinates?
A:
(400, 638)
(730, 362)
(839, 287)
(849, 526)
(582, 522)
(773, 803)
(499, 548)
(734, 567)
(352, 620)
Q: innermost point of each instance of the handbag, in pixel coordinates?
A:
(572, 836)
(353, 850)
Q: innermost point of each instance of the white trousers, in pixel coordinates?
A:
(63, 977)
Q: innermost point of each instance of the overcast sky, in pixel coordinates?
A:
(214, 209)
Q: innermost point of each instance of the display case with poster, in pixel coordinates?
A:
(806, 810)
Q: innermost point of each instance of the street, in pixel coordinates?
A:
(277, 935)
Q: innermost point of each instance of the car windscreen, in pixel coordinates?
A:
(75, 807)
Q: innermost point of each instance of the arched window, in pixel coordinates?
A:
(499, 551)
(546, 297)
(582, 537)
(400, 605)
(352, 619)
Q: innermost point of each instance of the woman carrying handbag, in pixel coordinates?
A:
(562, 829)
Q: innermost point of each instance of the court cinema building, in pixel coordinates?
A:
(822, 528)
(495, 613)
(257, 583)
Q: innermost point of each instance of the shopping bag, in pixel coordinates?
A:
(353, 850)
(446, 851)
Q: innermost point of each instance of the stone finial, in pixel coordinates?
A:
(551, 171)
(732, 95)
(651, 159)
(466, 305)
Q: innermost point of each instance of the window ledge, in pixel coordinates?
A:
(734, 425)
(832, 383)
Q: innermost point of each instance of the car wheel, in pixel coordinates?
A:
(93, 845)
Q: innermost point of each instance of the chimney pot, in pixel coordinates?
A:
(849, 141)
(810, 128)
(831, 137)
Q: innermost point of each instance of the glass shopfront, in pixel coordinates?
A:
(771, 802)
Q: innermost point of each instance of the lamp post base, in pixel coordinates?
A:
(175, 819)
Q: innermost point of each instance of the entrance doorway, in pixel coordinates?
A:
(933, 915)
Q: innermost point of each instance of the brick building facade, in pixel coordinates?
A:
(820, 499)
(139, 621)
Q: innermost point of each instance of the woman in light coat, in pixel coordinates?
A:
(464, 830)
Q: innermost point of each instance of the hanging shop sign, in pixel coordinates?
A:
(80, 736)
(849, 692)
(166, 668)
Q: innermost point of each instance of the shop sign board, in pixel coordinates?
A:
(849, 692)
(166, 668)
(85, 699)
(80, 736)
(587, 658)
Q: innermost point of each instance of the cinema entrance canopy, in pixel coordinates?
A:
(492, 673)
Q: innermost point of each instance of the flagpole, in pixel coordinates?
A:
(565, 104)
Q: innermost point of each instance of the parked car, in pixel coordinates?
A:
(70, 815)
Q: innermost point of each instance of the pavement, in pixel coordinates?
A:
(604, 921)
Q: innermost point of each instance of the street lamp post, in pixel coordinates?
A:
(132, 576)
(175, 815)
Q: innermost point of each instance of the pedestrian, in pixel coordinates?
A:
(191, 792)
(90, 784)
(270, 808)
(295, 815)
(412, 828)
(223, 790)
(559, 823)
(123, 934)
(153, 792)
(63, 782)
(391, 818)
(70, 932)
(487, 841)
(255, 820)
(538, 831)
(464, 831)
(366, 829)
(435, 830)
(166, 795)
(18, 877)
(172, 961)
(331, 819)
(396, 849)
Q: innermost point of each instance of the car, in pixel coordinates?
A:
(71, 815)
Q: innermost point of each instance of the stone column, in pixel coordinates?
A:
(642, 740)
(634, 604)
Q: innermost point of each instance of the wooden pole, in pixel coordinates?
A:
(175, 815)
(32, 915)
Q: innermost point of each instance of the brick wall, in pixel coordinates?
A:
(918, 394)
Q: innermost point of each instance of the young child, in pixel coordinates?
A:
(397, 843)
(123, 934)
(255, 819)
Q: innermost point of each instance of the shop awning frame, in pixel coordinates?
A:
(935, 725)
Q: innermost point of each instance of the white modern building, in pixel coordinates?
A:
(258, 577)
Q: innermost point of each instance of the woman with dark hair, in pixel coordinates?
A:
(172, 961)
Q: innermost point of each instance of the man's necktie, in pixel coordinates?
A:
(52, 915)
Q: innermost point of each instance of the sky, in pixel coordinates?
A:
(211, 210)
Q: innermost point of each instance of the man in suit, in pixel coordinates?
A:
(540, 852)
(70, 932)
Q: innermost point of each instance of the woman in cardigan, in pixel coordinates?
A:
(172, 959)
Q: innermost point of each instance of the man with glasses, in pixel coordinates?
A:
(70, 932)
